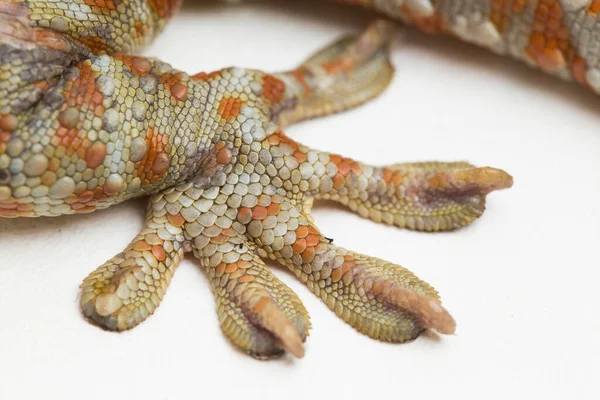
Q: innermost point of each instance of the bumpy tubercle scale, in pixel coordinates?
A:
(85, 125)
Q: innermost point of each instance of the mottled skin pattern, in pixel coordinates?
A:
(85, 124)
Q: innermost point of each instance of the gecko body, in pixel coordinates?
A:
(86, 124)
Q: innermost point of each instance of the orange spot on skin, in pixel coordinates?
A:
(312, 240)
(299, 74)
(159, 252)
(94, 43)
(336, 275)
(176, 219)
(95, 155)
(273, 209)
(246, 278)
(220, 270)
(301, 157)
(273, 89)
(103, 4)
(203, 76)
(87, 201)
(259, 213)
(175, 85)
(151, 168)
(160, 164)
(139, 66)
(179, 91)
(230, 268)
(579, 68)
(344, 167)
(224, 156)
(140, 29)
(244, 215)
(302, 231)
(260, 304)
(308, 254)
(503, 10)
(338, 181)
(8, 213)
(299, 246)
(141, 246)
(549, 44)
(229, 232)
(229, 107)
(432, 24)
(338, 65)
(79, 90)
(439, 180)
(165, 8)
(386, 175)
(8, 123)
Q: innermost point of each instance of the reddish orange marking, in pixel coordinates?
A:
(165, 8)
(273, 88)
(86, 201)
(176, 219)
(203, 76)
(8, 123)
(549, 42)
(156, 161)
(95, 155)
(220, 269)
(229, 107)
(159, 252)
(103, 4)
(141, 246)
(95, 43)
(79, 91)
(345, 166)
(503, 10)
(175, 85)
(336, 275)
(244, 215)
(432, 24)
(594, 7)
(274, 209)
(261, 304)
(299, 246)
(179, 91)
(139, 66)
(386, 175)
(231, 267)
(308, 254)
(246, 278)
(299, 74)
(312, 240)
(302, 231)
(338, 65)
(259, 213)
(140, 29)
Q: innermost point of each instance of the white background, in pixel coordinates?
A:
(522, 281)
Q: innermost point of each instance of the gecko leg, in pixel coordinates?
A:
(126, 289)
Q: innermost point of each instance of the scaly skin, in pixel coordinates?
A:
(561, 37)
(85, 125)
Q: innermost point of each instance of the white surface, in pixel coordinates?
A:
(522, 281)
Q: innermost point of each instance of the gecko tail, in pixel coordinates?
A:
(343, 75)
